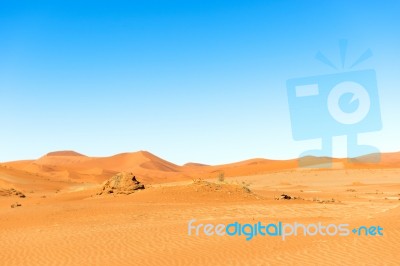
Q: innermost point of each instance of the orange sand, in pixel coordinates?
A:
(63, 222)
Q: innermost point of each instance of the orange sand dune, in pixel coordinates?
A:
(62, 220)
(70, 165)
(30, 182)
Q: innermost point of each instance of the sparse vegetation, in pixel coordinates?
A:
(332, 200)
(221, 177)
(246, 189)
(228, 188)
(246, 186)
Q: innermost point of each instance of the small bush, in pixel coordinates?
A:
(221, 177)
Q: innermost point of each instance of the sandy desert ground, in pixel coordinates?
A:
(62, 220)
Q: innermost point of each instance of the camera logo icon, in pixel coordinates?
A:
(358, 92)
(325, 106)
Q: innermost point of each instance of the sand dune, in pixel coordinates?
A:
(69, 164)
(62, 158)
(149, 227)
(73, 165)
(62, 220)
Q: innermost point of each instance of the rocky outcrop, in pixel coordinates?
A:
(122, 183)
(11, 192)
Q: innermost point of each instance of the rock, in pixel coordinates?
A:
(122, 183)
(11, 192)
(15, 205)
(286, 197)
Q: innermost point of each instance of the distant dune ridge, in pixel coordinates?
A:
(64, 153)
(71, 165)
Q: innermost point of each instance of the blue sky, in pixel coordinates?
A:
(200, 81)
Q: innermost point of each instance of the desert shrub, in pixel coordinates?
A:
(221, 177)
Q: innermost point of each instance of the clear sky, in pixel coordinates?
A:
(201, 81)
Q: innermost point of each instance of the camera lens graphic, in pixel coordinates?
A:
(358, 93)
